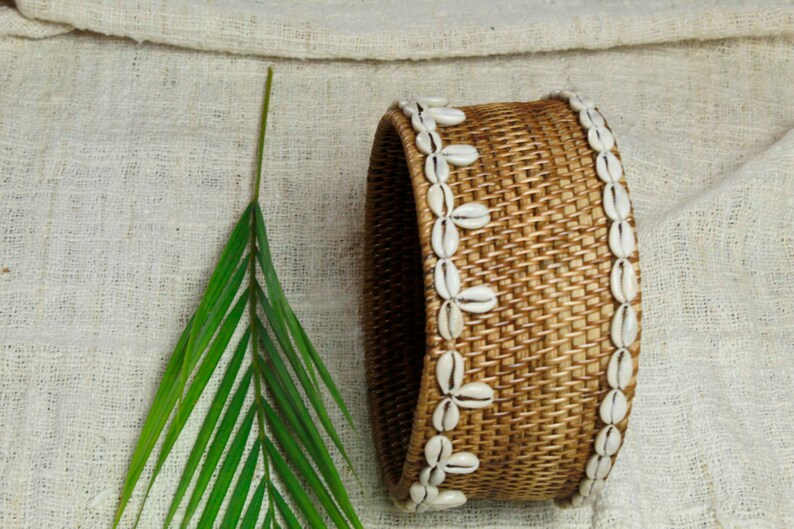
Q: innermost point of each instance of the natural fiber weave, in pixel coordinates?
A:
(545, 347)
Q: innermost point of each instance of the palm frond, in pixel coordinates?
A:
(286, 316)
(254, 507)
(279, 377)
(240, 493)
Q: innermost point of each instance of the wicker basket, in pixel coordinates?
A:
(544, 348)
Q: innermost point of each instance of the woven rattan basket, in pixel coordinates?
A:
(544, 348)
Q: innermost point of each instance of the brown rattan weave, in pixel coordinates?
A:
(545, 347)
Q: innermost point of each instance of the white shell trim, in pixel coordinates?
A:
(623, 284)
(427, 115)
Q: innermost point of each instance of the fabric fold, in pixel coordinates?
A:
(13, 24)
(390, 30)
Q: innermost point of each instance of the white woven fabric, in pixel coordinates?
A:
(123, 167)
(14, 24)
(393, 29)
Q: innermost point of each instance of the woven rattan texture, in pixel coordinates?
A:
(544, 348)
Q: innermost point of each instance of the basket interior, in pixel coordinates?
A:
(394, 301)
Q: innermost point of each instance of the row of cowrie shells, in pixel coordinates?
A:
(427, 114)
(624, 288)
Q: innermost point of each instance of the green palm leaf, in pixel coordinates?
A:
(208, 426)
(295, 488)
(302, 465)
(254, 506)
(226, 473)
(240, 492)
(297, 416)
(274, 369)
(214, 453)
(164, 401)
(196, 388)
(286, 512)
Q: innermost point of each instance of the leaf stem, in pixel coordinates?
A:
(252, 283)
(262, 129)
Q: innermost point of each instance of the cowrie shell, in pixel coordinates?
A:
(428, 142)
(433, 101)
(436, 169)
(620, 369)
(432, 476)
(449, 371)
(460, 155)
(598, 467)
(440, 199)
(579, 103)
(450, 321)
(447, 116)
(608, 441)
(590, 487)
(623, 281)
(446, 279)
(461, 463)
(614, 407)
(576, 500)
(423, 493)
(565, 95)
(474, 395)
(444, 238)
(608, 167)
(616, 202)
(471, 215)
(624, 326)
(446, 415)
(448, 499)
(437, 449)
(410, 108)
(600, 139)
(477, 299)
(423, 122)
(590, 117)
(621, 239)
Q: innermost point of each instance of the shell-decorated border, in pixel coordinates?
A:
(624, 327)
(428, 115)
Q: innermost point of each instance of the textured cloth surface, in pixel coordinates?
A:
(123, 167)
(394, 29)
(14, 24)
